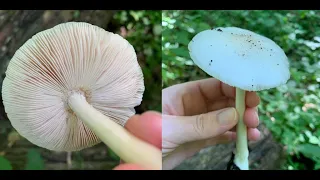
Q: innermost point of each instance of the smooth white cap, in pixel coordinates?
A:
(240, 58)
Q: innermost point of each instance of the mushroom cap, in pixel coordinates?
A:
(73, 56)
(240, 58)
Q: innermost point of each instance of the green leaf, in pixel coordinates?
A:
(270, 22)
(203, 26)
(314, 140)
(317, 166)
(76, 14)
(113, 155)
(182, 37)
(5, 164)
(309, 150)
(180, 52)
(157, 29)
(34, 160)
(136, 15)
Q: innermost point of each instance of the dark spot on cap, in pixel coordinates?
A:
(210, 60)
(219, 30)
(278, 64)
(260, 48)
(231, 33)
(270, 49)
(242, 54)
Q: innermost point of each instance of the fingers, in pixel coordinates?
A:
(221, 103)
(182, 129)
(227, 137)
(251, 118)
(213, 90)
(147, 126)
(252, 99)
(206, 96)
(253, 134)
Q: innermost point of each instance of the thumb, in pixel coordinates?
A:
(182, 129)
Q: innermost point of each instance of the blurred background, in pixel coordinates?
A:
(289, 115)
(141, 28)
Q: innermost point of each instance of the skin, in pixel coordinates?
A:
(192, 118)
(147, 127)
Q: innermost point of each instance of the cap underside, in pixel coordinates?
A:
(73, 56)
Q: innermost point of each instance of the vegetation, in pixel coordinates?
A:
(292, 111)
(144, 33)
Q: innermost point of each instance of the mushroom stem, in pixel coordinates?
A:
(128, 147)
(69, 160)
(242, 153)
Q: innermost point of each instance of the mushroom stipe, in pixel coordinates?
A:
(240, 64)
(75, 85)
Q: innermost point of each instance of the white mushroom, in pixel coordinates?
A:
(71, 86)
(245, 60)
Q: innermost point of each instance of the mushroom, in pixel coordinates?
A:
(242, 59)
(74, 85)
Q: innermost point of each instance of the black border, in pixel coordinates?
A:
(164, 174)
(161, 4)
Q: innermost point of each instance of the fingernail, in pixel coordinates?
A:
(227, 117)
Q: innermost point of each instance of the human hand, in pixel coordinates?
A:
(147, 127)
(199, 114)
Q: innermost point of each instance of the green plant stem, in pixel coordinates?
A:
(242, 153)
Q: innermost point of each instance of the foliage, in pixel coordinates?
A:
(34, 160)
(5, 164)
(144, 32)
(292, 111)
(113, 155)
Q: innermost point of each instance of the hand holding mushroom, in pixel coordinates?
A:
(242, 59)
(147, 127)
(75, 85)
(199, 114)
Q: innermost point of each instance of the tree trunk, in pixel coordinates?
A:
(265, 154)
